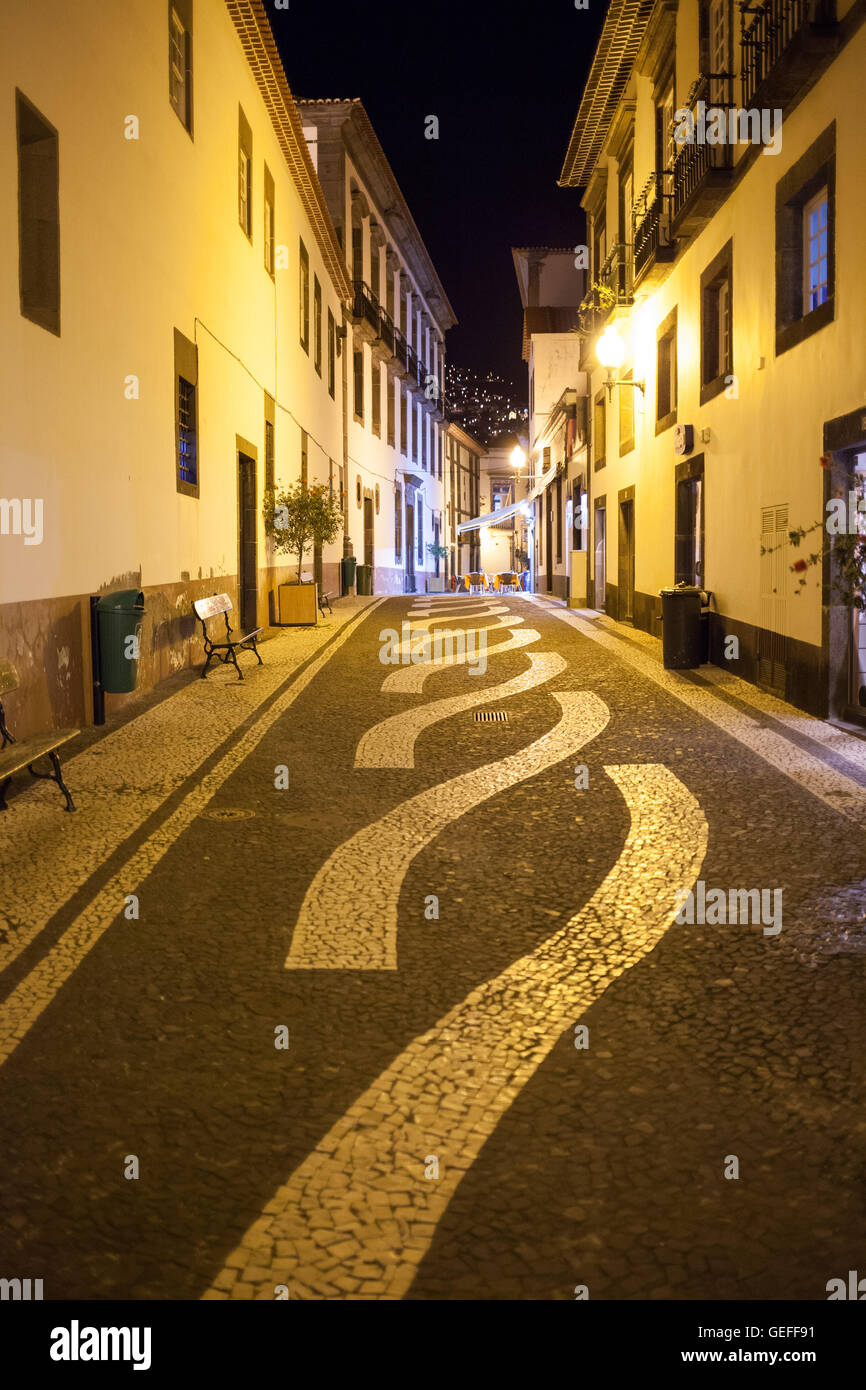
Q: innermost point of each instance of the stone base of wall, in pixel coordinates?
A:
(48, 641)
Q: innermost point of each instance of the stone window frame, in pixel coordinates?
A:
(38, 208)
(245, 161)
(667, 333)
(626, 445)
(186, 369)
(814, 170)
(182, 10)
(719, 270)
(269, 223)
(599, 402)
(304, 295)
(317, 325)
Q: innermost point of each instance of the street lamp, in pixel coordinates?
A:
(518, 456)
(610, 351)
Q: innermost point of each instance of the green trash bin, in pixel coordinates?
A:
(347, 572)
(365, 579)
(120, 617)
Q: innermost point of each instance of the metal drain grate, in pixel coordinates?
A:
(491, 716)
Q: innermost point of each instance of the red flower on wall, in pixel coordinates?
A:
(800, 565)
(825, 461)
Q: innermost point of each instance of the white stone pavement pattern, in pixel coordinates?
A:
(391, 742)
(126, 777)
(348, 919)
(832, 787)
(38, 988)
(404, 650)
(356, 1218)
(410, 680)
(419, 624)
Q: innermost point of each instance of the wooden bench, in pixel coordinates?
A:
(307, 578)
(15, 755)
(206, 608)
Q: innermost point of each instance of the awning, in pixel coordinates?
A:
(504, 513)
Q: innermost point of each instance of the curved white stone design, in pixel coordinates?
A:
(424, 619)
(409, 680)
(348, 919)
(391, 743)
(336, 1218)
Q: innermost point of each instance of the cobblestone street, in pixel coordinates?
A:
(435, 908)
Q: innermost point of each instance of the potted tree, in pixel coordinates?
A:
(436, 583)
(296, 519)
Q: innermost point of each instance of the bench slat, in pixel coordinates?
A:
(213, 606)
(17, 755)
(236, 641)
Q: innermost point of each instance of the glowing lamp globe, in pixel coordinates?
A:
(517, 456)
(610, 349)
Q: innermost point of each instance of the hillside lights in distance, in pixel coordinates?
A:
(610, 351)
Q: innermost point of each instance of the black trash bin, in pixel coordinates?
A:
(682, 627)
(120, 617)
(365, 579)
(347, 573)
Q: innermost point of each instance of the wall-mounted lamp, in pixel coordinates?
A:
(610, 351)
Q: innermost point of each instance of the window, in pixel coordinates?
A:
(38, 217)
(186, 415)
(376, 387)
(626, 202)
(599, 431)
(269, 456)
(666, 373)
(332, 354)
(420, 529)
(270, 460)
(626, 415)
(304, 293)
(245, 175)
(805, 252)
(559, 517)
(716, 349)
(392, 392)
(269, 222)
(358, 367)
(186, 432)
(599, 244)
(398, 524)
(180, 62)
(403, 421)
(815, 278)
(317, 325)
(305, 457)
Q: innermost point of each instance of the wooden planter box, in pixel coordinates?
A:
(435, 586)
(297, 605)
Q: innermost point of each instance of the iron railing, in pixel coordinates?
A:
(386, 330)
(365, 305)
(771, 30)
(696, 157)
(650, 221)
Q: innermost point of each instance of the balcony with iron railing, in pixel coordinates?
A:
(613, 290)
(781, 43)
(702, 171)
(383, 343)
(365, 311)
(654, 247)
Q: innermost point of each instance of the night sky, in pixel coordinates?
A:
(505, 81)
